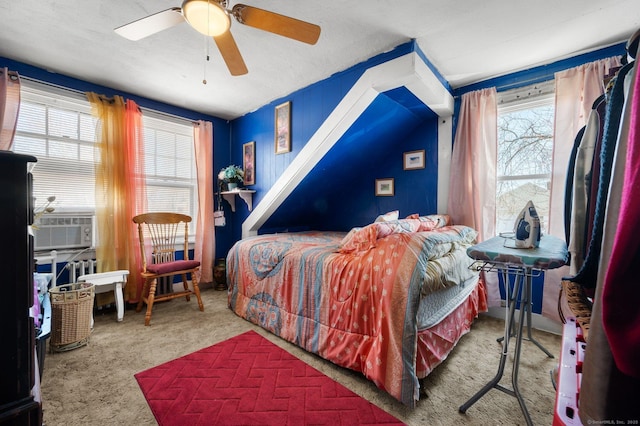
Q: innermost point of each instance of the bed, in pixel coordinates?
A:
(389, 300)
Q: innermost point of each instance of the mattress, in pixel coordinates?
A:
(438, 305)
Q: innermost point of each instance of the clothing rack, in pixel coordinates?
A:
(590, 373)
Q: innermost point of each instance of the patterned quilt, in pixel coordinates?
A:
(354, 307)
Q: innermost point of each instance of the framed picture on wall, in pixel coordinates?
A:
(414, 160)
(249, 163)
(384, 187)
(283, 128)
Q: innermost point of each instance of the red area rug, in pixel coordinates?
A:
(247, 380)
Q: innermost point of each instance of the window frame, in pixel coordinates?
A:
(56, 97)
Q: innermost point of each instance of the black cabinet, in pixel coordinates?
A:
(19, 403)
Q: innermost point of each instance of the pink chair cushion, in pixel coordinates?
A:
(168, 267)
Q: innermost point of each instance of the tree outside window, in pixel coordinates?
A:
(525, 148)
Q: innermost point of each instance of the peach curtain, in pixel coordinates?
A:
(205, 244)
(120, 186)
(9, 106)
(472, 183)
(576, 89)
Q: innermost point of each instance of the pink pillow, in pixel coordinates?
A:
(362, 239)
(434, 221)
(365, 238)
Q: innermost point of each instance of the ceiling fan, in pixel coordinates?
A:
(212, 18)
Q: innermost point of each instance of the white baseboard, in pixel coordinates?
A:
(538, 321)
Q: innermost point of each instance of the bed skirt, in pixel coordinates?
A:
(435, 343)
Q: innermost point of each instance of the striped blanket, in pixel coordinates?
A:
(356, 309)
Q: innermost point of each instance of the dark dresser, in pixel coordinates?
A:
(19, 390)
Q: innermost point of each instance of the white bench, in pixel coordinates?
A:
(109, 281)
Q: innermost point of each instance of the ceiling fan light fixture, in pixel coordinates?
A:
(206, 16)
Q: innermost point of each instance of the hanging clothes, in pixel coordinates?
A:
(621, 291)
(587, 274)
(610, 381)
(581, 170)
(594, 175)
(568, 187)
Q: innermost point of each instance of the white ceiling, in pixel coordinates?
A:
(466, 40)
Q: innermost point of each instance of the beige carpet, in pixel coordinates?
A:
(94, 385)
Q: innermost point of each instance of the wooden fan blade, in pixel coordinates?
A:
(230, 53)
(151, 24)
(276, 23)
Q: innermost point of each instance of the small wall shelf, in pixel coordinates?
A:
(245, 194)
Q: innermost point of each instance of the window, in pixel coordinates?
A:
(56, 126)
(170, 166)
(525, 148)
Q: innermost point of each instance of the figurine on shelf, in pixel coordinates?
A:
(232, 176)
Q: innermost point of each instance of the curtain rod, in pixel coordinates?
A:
(82, 94)
(515, 84)
(541, 73)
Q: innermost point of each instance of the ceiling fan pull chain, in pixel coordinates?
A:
(206, 55)
(206, 48)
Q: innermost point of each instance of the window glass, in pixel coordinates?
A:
(49, 129)
(62, 123)
(525, 149)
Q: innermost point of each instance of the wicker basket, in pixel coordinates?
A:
(71, 315)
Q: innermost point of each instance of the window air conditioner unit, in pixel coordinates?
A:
(56, 231)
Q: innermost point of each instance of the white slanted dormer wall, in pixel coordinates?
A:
(409, 71)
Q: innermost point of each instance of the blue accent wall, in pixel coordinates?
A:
(340, 191)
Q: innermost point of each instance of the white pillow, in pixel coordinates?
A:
(393, 215)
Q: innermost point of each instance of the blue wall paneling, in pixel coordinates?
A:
(386, 125)
(339, 193)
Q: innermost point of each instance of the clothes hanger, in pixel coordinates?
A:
(607, 80)
(632, 50)
(632, 44)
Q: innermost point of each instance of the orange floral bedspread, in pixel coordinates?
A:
(355, 309)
